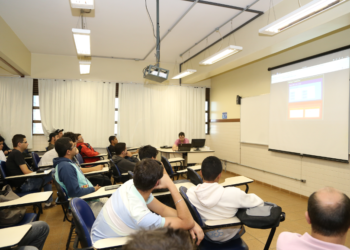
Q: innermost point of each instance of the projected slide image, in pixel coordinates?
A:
(306, 99)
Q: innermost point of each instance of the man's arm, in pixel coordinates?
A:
(25, 169)
(159, 208)
(88, 170)
(88, 152)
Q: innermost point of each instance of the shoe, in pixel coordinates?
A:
(49, 205)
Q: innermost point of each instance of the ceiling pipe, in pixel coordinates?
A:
(168, 31)
(217, 28)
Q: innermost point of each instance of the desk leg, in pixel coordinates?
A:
(269, 240)
(246, 188)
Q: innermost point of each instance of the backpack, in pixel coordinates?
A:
(10, 216)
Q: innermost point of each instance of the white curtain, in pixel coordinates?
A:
(155, 114)
(16, 107)
(79, 107)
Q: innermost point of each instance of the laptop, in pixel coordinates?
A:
(184, 147)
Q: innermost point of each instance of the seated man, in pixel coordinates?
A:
(70, 176)
(129, 208)
(160, 238)
(214, 202)
(113, 141)
(52, 139)
(86, 150)
(2, 155)
(16, 165)
(123, 164)
(148, 152)
(328, 212)
(181, 140)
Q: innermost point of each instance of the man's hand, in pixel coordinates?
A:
(6, 152)
(97, 187)
(165, 181)
(128, 154)
(99, 167)
(197, 231)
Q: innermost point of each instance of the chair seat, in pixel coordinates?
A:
(28, 218)
(237, 244)
(177, 159)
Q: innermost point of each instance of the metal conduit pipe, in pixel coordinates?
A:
(216, 29)
(168, 31)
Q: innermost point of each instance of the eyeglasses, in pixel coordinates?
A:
(25, 142)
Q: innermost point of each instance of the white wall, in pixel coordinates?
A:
(317, 173)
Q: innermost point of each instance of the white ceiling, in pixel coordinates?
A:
(121, 28)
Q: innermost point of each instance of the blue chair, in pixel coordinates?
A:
(79, 158)
(83, 218)
(36, 160)
(47, 148)
(109, 153)
(117, 175)
(170, 171)
(236, 243)
(194, 177)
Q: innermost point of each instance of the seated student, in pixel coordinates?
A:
(35, 238)
(16, 165)
(52, 139)
(70, 176)
(129, 208)
(2, 155)
(214, 202)
(148, 152)
(113, 141)
(181, 140)
(328, 212)
(5, 149)
(160, 238)
(123, 164)
(59, 132)
(86, 149)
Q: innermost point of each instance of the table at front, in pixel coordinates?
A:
(11, 236)
(191, 157)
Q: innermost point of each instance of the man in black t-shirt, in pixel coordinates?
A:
(113, 140)
(16, 165)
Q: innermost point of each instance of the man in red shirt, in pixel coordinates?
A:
(86, 150)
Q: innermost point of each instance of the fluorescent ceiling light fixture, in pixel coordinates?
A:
(82, 4)
(185, 73)
(84, 67)
(82, 41)
(303, 13)
(226, 52)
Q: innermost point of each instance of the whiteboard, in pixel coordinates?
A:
(255, 119)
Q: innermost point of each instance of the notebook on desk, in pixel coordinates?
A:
(184, 147)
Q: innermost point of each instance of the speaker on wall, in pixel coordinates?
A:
(238, 100)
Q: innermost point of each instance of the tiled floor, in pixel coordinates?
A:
(293, 205)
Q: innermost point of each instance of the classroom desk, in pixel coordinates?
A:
(104, 170)
(30, 199)
(237, 181)
(31, 175)
(100, 162)
(11, 236)
(191, 157)
(99, 193)
(132, 148)
(111, 243)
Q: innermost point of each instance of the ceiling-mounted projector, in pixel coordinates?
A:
(154, 73)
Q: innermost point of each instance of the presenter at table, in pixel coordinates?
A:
(181, 140)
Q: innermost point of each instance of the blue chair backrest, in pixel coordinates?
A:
(3, 169)
(47, 148)
(116, 167)
(36, 160)
(109, 153)
(131, 174)
(83, 219)
(194, 177)
(167, 166)
(193, 209)
(79, 158)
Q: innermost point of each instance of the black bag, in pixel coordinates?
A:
(10, 216)
(261, 222)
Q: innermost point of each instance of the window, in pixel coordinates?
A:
(116, 109)
(36, 117)
(207, 111)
